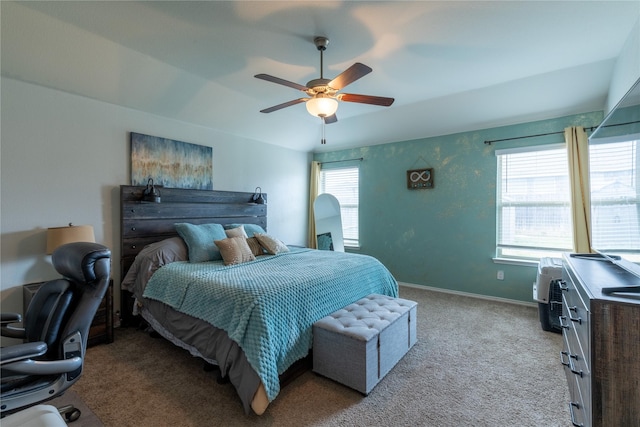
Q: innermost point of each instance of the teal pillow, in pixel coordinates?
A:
(250, 229)
(199, 240)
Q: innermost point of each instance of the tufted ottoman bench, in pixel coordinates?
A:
(359, 344)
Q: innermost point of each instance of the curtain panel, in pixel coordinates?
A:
(314, 185)
(578, 156)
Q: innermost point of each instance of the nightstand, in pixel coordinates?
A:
(101, 330)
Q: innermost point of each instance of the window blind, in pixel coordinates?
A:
(343, 183)
(533, 203)
(615, 207)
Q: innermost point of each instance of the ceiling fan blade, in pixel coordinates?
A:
(366, 99)
(330, 119)
(284, 105)
(349, 76)
(280, 81)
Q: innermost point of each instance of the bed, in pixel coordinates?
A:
(252, 317)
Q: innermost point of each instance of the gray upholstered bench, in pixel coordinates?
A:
(359, 344)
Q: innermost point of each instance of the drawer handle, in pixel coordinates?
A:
(573, 368)
(575, 319)
(569, 362)
(562, 285)
(562, 325)
(573, 416)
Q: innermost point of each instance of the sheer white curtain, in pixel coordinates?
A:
(314, 185)
(578, 156)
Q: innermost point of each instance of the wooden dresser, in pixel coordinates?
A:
(601, 351)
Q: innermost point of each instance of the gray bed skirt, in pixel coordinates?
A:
(205, 341)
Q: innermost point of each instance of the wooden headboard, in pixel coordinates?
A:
(143, 223)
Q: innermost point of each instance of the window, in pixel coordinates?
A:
(614, 198)
(533, 203)
(343, 184)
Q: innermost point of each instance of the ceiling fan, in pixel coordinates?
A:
(323, 93)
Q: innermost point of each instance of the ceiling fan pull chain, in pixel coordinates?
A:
(323, 140)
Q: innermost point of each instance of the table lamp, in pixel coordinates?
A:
(57, 236)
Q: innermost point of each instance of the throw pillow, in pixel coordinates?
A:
(271, 244)
(199, 240)
(250, 229)
(236, 232)
(255, 247)
(234, 250)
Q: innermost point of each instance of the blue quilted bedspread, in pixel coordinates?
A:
(268, 306)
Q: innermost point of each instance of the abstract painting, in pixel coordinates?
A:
(170, 163)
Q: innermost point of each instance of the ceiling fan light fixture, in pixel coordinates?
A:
(322, 106)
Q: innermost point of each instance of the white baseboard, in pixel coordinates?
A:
(468, 294)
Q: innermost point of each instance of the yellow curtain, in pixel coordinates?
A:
(578, 154)
(314, 185)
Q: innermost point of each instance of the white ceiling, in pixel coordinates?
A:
(451, 66)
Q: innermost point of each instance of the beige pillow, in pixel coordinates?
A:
(255, 247)
(236, 232)
(271, 244)
(234, 250)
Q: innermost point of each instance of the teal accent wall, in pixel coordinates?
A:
(444, 237)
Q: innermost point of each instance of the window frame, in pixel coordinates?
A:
(350, 237)
(506, 249)
(510, 255)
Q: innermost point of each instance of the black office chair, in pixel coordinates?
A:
(55, 330)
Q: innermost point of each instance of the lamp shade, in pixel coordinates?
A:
(322, 107)
(57, 236)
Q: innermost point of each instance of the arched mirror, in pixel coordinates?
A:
(326, 210)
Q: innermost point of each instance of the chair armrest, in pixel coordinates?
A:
(8, 331)
(44, 367)
(6, 318)
(18, 359)
(22, 351)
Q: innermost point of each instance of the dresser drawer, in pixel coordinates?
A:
(578, 380)
(576, 352)
(575, 319)
(601, 341)
(577, 336)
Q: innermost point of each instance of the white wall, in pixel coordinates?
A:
(63, 158)
(627, 68)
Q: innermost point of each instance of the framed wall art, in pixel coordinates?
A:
(170, 163)
(420, 179)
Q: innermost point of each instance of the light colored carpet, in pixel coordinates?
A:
(476, 362)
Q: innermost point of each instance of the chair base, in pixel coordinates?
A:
(70, 413)
(35, 416)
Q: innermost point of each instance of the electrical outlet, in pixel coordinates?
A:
(500, 275)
